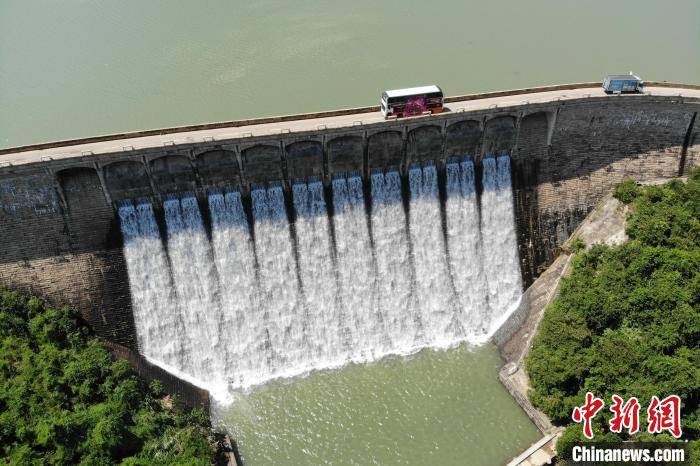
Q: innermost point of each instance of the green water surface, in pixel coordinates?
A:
(430, 408)
(71, 68)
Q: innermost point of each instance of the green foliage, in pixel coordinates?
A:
(627, 320)
(626, 192)
(577, 245)
(64, 400)
(694, 174)
(574, 435)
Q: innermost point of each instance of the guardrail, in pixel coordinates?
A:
(309, 116)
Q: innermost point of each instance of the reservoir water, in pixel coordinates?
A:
(80, 68)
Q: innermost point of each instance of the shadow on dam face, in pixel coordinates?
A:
(60, 228)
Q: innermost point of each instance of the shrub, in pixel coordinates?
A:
(627, 191)
(577, 245)
(627, 319)
(64, 400)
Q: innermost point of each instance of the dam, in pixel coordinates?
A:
(328, 238)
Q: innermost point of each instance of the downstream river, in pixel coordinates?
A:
(76, 68)
(432, 408)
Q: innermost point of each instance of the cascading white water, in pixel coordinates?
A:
(321, 319)
(239, 312)
(361, 328)
(196, 284)
(434, 292)
(501, 265)
(235, 262)
(160, 331)
(396, 301)
(281, 312)
(464, 248)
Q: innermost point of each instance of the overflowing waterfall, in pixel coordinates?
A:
(235, 262)
(396, 300)
(501, 266)
(436, 303)
(361, 329)
(321, 319)
(464, 248)
(158, 322)
(255, 302)
(281, 313)
(196, 283)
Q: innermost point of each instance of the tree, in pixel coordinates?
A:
(65, 400)
(627, 319)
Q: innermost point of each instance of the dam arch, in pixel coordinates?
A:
(81, 188)
(262, 163)
(533, 136)
(345, 153)
(218, 168)
(499, 134)
(304, 159)
(385, 149)
(424, 143)
(127, 179)
(463, 138)
(172, 173)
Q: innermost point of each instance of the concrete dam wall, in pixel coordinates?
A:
(59, 215)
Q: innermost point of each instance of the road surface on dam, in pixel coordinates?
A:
(20, 156)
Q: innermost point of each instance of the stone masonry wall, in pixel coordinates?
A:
(594, 147)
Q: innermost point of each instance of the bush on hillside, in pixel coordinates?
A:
(627, 191)
(627, 320)
(65, 400)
